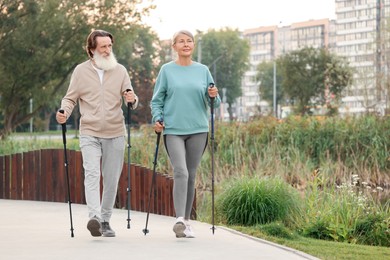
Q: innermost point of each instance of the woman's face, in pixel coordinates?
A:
(184, 45)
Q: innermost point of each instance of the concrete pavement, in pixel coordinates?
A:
(41, 230)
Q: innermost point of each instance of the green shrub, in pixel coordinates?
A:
(276, 229)
(344, 214)
(257, 201)
(373, 230)
(317, 229)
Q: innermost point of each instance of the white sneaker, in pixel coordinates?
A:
(179, 227)
(188, 231)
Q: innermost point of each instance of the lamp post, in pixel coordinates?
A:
(199, 46)
(213, 64)
(31, 119)
(215, 68)
(275, 101)
(223, 104)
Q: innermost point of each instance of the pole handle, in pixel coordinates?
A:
(160, 121)
(63, 127)
(211, 85)
(64, 124)
(129, 104)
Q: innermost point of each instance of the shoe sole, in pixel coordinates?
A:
(179, 228)
(108, 234)
(189, 236)
(94, 227)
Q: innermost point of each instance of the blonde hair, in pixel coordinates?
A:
(185, 32)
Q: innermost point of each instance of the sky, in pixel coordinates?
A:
(174, 15)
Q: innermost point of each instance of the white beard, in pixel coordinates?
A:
(105, 63)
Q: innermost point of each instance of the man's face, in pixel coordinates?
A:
(103, 56)
(103, 46)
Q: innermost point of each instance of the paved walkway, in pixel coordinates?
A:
(41, 230)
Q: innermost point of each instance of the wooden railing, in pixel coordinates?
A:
(41, 176)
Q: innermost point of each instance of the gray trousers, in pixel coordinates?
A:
(185, 153)
(109, 153)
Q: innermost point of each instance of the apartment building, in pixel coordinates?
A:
(362, 38)
(266, 44)
(263, 44)
(359, 33)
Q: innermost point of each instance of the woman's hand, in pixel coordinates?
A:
(159, 126)
(213, 91)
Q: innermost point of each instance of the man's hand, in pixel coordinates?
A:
(129, 96)
(61, 117)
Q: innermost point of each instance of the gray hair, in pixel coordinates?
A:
(185, 32)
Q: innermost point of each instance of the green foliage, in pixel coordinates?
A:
(265, 75)
(345, 214)
(143, 147)
(276, 229)
(361, 141)
(26, 144)
(138, 54)
(323, 249)
(292, 149)
(318, 230)
(42, 42)
(310, 75)
(227, 56)
(257, 201)
(373, 229)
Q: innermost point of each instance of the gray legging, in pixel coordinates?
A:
(185, 153)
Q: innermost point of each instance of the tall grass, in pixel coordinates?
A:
(251, 201)
(344, 213)
(292, 149)
(31, 143)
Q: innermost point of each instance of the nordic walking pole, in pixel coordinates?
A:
(129, 106)
(212, 159)
(67, 174)
(145, 230)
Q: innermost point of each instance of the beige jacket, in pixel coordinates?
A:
(100, 104)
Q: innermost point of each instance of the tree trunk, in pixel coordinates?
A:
(5, 132)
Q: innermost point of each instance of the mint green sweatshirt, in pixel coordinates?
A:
(181, 100)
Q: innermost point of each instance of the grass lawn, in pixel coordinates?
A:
(322, 249)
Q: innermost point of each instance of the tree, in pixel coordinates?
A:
(42, 41)
(265, 76)
(227, 56)
(140, 58)
(313, 77)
